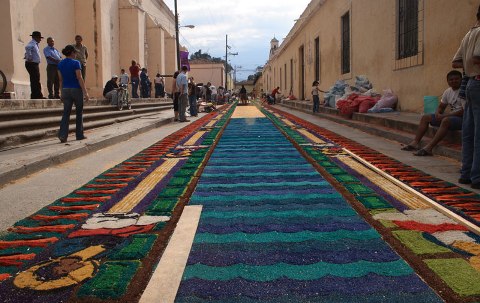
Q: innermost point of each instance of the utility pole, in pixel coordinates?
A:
(177, 40)
(226, 60)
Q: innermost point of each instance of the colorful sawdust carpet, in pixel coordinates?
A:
(288, 216)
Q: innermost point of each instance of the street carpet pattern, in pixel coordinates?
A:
(289, 216)
(276, 231)
(102, 242)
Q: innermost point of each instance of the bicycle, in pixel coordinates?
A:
(123, 98)
(3, 82)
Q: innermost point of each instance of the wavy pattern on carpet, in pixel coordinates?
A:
(443, 250)
(93, 243)
(284, 234)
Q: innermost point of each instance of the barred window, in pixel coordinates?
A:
(407, 39)
(346, 43)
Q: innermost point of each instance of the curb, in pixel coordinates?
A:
(22, 171)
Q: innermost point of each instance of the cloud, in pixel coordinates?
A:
(249, 24)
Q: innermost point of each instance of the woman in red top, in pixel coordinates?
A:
(134, 78)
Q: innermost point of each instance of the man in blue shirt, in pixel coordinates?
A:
(182, 88)
(32, 60)
(53, 58)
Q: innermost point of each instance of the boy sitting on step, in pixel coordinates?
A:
(444, 122)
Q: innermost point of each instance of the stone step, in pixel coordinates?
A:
(27, 114)
(27, 124)
(14, 139)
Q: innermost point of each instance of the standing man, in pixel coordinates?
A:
(134, 78)
(81, 54)
(182, 87)
(53, 58)
(468, 57)
(32, 60)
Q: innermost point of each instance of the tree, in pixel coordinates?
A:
(205, 56)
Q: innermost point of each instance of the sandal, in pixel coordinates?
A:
(422, 153)
(409, 148)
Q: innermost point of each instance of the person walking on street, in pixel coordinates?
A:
(315, 96)
(468, 57)
(32, 61)
(53, 58)
(192, 97)
(81, 54)
(73, 91)
(182, 86)
(134, 78)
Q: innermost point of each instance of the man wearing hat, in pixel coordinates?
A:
(32, 60)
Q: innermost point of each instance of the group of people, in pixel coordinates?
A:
(139, 79)
(463, 98)
(65, 78)
(52, 55)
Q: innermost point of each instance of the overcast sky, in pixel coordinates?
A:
(249, 24)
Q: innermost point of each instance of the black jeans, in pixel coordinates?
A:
(35, 86)
(53, 83)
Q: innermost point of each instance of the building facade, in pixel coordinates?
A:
(404, 45)
(114, 31)
(204, 71)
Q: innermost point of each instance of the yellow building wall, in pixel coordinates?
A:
(442, 25)
(114, 31)
(203, 73)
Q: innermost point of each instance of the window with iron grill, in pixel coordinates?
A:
(407, 28)
(346, 43)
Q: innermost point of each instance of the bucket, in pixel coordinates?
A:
(430, 104)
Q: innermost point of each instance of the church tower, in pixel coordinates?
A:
(273, 46)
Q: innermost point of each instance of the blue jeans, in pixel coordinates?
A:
(72, 96)
(471, 133)
(135, 82)
(316, 103)
(192, 100)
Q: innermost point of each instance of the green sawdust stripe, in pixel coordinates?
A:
(281, 214)
(111, 281)
(297, 272)
(458, 274)
(417, 243)
(137, 249)
(374, 202)
(271, 237)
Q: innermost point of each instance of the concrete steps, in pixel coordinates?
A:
(28, 125)
(396, 126)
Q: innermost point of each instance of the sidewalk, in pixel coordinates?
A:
(396, 126)
(23, 160)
